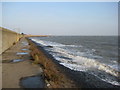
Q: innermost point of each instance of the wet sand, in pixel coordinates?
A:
(12, 72)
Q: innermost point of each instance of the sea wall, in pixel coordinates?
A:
(8, 38)
(53, 74)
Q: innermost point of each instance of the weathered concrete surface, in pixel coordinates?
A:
(53, 74)
(8, 38)
(12, 72)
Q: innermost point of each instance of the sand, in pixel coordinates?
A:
(12, 72)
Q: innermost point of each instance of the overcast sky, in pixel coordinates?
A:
(61, 18)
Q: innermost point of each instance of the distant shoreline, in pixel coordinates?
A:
(36, 35)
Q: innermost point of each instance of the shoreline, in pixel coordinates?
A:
(80, 79)
(53, 74)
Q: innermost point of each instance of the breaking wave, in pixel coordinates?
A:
(75, 61)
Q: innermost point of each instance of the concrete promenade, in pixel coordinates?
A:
(7, 39)
(17, 64)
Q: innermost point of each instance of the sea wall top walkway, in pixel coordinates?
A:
(7, 39)
(17, 66)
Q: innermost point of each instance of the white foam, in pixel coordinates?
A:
(88, 63)
(85, 62)
(112, 82)
(108, 80)
(74, 66)
(115, 66)
(54, 44)
(78, 63)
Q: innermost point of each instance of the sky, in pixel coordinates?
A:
(61, 18)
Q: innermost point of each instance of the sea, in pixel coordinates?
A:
(96, 55)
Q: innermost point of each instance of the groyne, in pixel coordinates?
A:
(8, 38)
(53, 74)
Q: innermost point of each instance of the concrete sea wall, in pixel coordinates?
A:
(53, 74)
(7, 39)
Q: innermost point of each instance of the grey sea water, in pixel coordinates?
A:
(97, 55)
